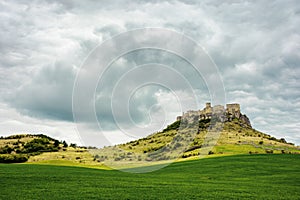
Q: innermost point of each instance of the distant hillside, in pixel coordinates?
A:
(18, 148)
(211, 131)
(43, 149)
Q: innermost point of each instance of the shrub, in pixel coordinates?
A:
(282, 140)
(261, 142)
(73, 145)
(173, 126)
(210, 152)
(65, 144)
(117, 159)
(17, 158)
(269, 151)
(6, 150)
(56, 143)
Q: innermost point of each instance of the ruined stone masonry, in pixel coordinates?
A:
(231, 112)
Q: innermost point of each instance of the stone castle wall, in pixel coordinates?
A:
(232, 111)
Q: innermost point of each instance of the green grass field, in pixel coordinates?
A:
(230, 177)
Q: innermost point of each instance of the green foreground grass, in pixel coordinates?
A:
(230, 177)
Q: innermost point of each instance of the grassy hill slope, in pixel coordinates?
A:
(182, 142)
(176, 142)
(230, 177)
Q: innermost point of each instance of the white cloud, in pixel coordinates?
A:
(12, 122)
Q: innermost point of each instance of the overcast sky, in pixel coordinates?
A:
(43, 44)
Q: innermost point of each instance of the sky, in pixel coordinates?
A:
(47, 46)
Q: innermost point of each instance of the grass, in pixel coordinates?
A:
(82, 155)
(230, 177)
(70, 163)
(237, 149)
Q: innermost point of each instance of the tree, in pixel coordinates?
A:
(73, 145)
(65, 144)
(6, 150)
(282, 140)
(56, 143)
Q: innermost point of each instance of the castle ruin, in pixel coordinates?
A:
(232, 111)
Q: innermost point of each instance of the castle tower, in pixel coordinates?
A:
(208, 105)
(233, 109)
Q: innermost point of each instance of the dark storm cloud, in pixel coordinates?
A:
(48, 94)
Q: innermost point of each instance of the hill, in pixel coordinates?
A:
(42, 149)
(39, 148)
(18, 148)
(212, 131)
(231, 177)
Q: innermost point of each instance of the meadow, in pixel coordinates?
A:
(274, 176)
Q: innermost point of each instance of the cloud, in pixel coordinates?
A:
(255, 45)
(12, 122)
(48, 94)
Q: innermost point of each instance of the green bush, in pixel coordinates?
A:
(282, 140)
(269, 151)
(210, 152)
(73, 145)
(173, 126)
(204, 123)
(39, 145)
(10, 158)
(6, 150)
